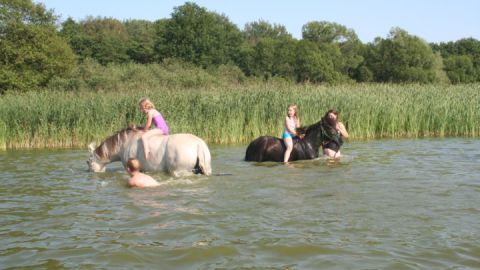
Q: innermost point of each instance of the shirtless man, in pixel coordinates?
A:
(138, 179)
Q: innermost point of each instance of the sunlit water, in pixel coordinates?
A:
(388, 204)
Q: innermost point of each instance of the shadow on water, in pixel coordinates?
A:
(321, 161)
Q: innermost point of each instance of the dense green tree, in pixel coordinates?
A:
(269, 51)
(264, 57)
(362, 73)
(245, 59)
(461, 59)
(110, 39)
(268, 58)
(141, 44)
(327, 32)
(196, 35)
(314, 65)
(103, 39)
(160, 44)
(255, 31)
(404, 58)
(465, 46)
(285, 58)
(460, 69)
(341, 44)
(26, 12)
(32, 52)
(81, 43)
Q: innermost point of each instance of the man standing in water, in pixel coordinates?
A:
(138, 179)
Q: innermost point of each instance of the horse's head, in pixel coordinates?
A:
(321, 131)
(110, 149)
(93, 162)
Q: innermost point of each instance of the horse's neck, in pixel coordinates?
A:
(109, 157)
(109, 153)
(115, 157)
(309, 148)
(314, 139)
(126, 143)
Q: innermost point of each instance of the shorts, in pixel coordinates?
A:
(286, 135)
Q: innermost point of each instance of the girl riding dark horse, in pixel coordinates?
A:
(268, 148)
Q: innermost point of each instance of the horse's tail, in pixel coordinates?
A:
(204, 159)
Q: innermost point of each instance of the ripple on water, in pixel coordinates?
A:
(385, 204)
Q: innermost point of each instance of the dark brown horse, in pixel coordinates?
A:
(268, 148)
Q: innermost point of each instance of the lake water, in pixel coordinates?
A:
(388, 204)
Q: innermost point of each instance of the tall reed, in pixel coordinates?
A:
(239, 113)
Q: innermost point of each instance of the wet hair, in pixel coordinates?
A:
(146, 103)
(133, 164)
(333, 110)
(332, 123)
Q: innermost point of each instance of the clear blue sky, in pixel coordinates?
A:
(432, 20)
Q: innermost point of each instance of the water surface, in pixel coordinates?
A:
(388, 204)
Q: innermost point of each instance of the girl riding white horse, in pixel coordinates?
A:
(178, 154)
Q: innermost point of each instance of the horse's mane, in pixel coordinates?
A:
(326, 123)
(326, 126)
(114, 141)
(310, 128)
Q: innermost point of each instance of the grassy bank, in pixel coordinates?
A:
(237, 114)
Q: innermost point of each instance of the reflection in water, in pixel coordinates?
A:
(388, 204)
(321, 161)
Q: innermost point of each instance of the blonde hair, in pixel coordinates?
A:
(133, 164)
(295, 109)
(146, 103)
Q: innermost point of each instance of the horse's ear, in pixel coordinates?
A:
(91, 147)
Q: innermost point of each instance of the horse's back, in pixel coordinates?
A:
(178, 154)
(156, 161)
(265, 148)
(186, 152)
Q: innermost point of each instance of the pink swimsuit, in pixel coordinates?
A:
(160, 123)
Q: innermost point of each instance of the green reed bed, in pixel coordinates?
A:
(240, 113)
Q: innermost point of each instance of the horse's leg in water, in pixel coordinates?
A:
(146, 136)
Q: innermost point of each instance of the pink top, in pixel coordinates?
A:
(160, 123)
(292, 124)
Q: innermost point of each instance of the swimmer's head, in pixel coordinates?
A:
(133, 165)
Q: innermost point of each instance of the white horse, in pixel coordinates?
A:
(177, 154)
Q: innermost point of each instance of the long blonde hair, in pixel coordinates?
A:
(146, 103)
(295, 109)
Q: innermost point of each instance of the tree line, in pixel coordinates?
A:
(35, 48)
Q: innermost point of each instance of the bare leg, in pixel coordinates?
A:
(146, 136)
(288, 151)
